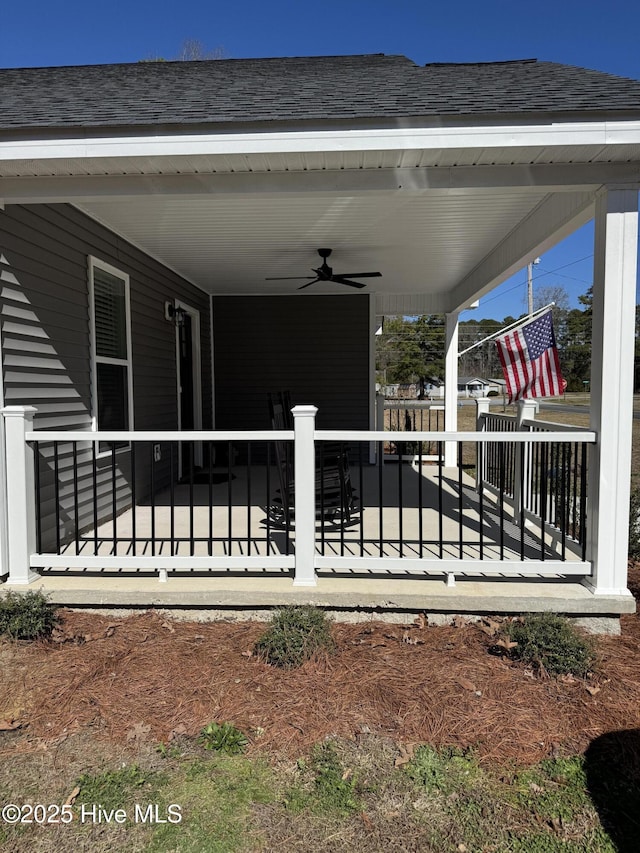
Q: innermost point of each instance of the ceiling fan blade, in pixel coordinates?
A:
(340, 279)
(290, 278)
(358, 274)
(307, 285)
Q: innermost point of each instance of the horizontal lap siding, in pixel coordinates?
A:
(316, 347)
(46, 348)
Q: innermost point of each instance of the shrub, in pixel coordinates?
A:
(634, 525)
(551, 643)
(26, 616)
(295, 634)
(223, 737)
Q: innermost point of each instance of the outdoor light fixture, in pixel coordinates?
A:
(174, 314)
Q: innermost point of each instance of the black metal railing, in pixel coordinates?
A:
(422, 510)
(162, 498)
(412, 416)
(499, 461)
(556, 485)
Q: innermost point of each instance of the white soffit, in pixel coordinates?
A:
(420, 241)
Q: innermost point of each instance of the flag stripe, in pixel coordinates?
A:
(530, 361)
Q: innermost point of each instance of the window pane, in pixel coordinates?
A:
(110, 314)
(113, 402)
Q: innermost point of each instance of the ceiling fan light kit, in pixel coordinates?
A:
(325, 273)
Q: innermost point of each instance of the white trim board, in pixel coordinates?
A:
(556, 132)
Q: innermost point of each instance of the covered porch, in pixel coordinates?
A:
(445, 210)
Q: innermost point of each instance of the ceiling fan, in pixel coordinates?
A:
(325, 273)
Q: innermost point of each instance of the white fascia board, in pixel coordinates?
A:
(388, 139)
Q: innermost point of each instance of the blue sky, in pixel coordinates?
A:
(600, 36)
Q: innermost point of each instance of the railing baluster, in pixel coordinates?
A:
(420, 499)
(192, 460)
(460, 519)
(153, 501)
(38, 487)
(400, 509)
(114, 501)
(172, 498)
(323, 519)
(210, 458)
(56, 478)
(574, 504)
(268, 487)
(440, 526)
(249, 498)
(134, 529)
(76, 512)
(360, 497)
(380, 503)
(563, 507)
(543, 496)
(522, 501)
(583, 501)
(481, 463)
(501, 477)
(94, 477)
(340, 461)
(229, 500)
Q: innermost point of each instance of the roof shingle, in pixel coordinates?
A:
(295, 89)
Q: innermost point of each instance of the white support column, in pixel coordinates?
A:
(451, 387)
(304, 423)
(21, 508)
(613, 339)
(526, 411)
(482, 408)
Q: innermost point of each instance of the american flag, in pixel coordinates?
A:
(530, 360)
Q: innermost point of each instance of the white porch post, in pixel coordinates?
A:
(21, 510)
(526, 411)
(304, 422)
(483, 404)
(451, 387)
(613, 337)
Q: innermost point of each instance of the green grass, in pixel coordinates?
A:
(216, 796)
(347, 795)
(116, 789)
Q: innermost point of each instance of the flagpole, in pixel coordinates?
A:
(513, 325)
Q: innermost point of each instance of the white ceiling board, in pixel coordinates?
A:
(421, 242)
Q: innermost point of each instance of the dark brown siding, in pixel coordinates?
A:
(46, 344)
(316, 347)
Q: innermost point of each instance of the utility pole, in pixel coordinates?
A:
(530, 283)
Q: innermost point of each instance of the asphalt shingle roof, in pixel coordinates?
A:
(299, 89)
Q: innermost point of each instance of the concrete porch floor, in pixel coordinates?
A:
(241, 528)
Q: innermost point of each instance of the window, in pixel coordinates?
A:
(111, 343)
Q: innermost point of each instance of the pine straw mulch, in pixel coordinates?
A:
(149, 678)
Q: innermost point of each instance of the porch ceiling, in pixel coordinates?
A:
(423, 241)
(443, 223)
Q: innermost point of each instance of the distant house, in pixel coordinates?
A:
(473, 386)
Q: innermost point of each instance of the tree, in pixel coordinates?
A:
(411, 349)
(191, 50)
(574, 344)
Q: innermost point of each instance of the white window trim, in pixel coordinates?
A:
(196, 360)
(96, 263)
